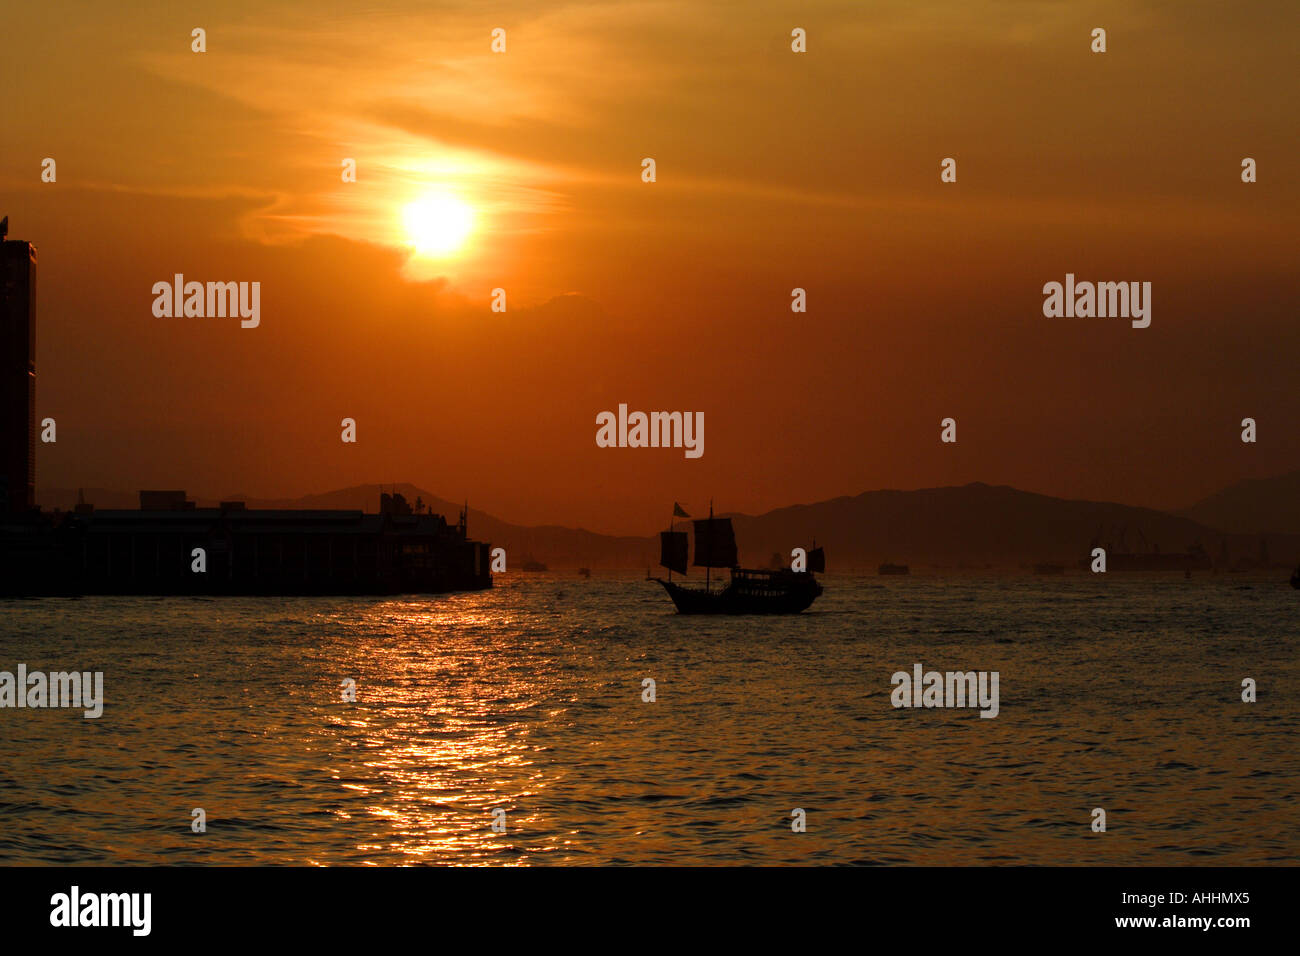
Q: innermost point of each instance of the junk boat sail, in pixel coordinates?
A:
(782, 591)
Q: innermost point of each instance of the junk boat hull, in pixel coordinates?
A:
(750, 592)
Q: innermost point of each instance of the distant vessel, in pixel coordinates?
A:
(1295, 578)
(782, 591)
(531, 564)
(1150, 558)
(1192, 559)
(585, 572)
(888, 568)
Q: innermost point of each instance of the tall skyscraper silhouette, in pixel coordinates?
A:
(17, 373)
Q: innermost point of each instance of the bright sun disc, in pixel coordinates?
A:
(438, 225)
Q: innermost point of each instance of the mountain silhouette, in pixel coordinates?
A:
(974, 525)
(1255, 506)
(979, 524)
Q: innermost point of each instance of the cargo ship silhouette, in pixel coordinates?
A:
(1150, 558)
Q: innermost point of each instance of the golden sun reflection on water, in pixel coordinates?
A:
(527, 699)
(441, 739)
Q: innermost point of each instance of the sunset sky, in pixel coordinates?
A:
(775, 170)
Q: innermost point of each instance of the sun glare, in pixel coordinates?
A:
(438, 224)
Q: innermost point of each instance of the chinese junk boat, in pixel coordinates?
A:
(781, 591)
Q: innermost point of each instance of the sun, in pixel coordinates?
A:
(438, 224)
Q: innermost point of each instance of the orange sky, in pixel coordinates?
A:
(775, 170)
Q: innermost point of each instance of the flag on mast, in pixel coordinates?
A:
(679, 511)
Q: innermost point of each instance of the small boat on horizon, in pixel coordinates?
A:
(531, 564)
(585, 572)
(750, 591)
(1295, 578)
(888, 568)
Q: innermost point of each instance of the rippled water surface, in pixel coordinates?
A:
(1122, 693)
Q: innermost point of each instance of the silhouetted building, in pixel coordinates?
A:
(164, 501)
(171, 547)
(17, 374)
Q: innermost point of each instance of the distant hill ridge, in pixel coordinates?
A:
(971, 525)
(1254, 506)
